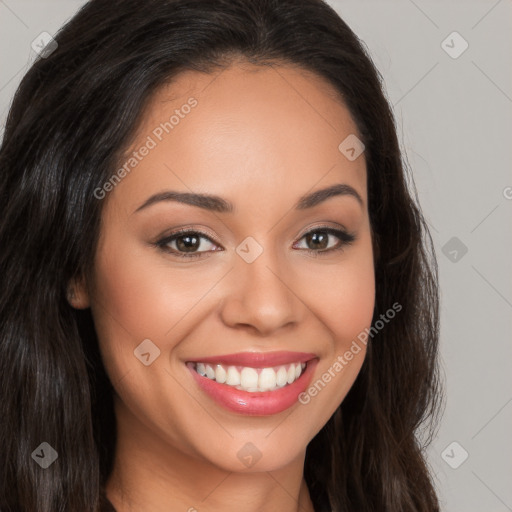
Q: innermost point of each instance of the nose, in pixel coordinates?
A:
(261, 297)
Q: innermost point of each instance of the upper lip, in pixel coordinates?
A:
(257, 359)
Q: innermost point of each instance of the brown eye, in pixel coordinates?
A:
(187, 244)
(317, 240)
(326, 239)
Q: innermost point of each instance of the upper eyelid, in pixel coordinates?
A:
(324, 226)
(185, 231)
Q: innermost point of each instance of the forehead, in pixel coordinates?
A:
(246, 128)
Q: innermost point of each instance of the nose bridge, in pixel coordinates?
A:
(259, 294)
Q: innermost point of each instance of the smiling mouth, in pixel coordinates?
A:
(246, 378)
(254, 383)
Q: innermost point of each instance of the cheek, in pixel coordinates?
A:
(344, 304)
(344, 295)
(134, 299)
(141, 295)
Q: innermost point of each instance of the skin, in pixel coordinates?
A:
(261, 138)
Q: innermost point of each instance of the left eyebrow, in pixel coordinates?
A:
(218, 204)
(317, 197)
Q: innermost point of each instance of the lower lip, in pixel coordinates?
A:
(262, 403)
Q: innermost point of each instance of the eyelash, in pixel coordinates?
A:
(345, 238)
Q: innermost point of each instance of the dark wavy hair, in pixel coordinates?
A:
(72, 116)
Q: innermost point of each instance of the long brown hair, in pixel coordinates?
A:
(71, 117)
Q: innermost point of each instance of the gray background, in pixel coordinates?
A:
(455, 125)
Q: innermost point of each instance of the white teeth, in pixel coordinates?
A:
(210, 372)
(249, 378)
(252, 379)
(291, 374)
(267, 379)
(200, 369)
(220, 374)
(233, 377)
(282, 376)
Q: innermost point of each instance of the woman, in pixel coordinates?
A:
(218, 291)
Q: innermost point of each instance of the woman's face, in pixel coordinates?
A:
(265, 281)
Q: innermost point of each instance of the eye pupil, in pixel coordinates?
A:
(187, 243)
(319, 239)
